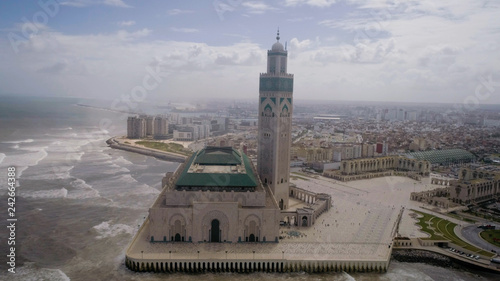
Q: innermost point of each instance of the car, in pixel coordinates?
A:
(461, 253)
(476, 257)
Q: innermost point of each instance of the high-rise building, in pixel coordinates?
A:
(136, 127)
(160, 127)
(275, 123)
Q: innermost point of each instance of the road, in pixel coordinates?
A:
(471, 233)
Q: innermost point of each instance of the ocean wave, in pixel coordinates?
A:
(23, 161)
(29, 271)
(50, 173)
(45, 194)
(122, 161)
(82, 190)
(62, 129)
(105, 229)
(2, 156)
(20, 141)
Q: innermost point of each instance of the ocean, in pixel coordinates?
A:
(79, 202)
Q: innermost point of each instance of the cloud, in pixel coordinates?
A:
(125, 35)
(256, 7)
(314, 3)
(116, 3)
(86, 3)
(126, 23)
(184, 29)
(175, 12)
(299, 19)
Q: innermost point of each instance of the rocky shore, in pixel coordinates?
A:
(422, 256)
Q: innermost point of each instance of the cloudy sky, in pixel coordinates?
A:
(372, 50)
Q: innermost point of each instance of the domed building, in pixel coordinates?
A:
(217, 195)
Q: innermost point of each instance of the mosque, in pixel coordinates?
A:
(218, 195)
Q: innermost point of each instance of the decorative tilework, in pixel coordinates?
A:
(276, 84)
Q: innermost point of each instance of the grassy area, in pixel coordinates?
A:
(298, 177)
(168, 147)
(490, 235)
(424, 223)
(440, 229)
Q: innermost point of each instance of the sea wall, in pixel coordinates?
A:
(146, 151)
(245, 266)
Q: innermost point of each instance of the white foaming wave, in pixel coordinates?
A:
(347, 277)
(45, 194)
(144, 189)
(30, 272)
(23, 161)
(82, 190)
(62, 129)
(51, 173)
(105, 229)
(122, 161)
(2, 156)
(113, 169)
(15, 146)
(20, 141)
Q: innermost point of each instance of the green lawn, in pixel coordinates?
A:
(440, 229)
(489, 234)
(168, 147)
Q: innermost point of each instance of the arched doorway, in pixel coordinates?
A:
(304, 221)
(251, 238)
(215, 231)
(177, 237)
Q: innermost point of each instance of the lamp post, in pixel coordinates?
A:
(282, 255)
(226, 255)
(198, 254)
(170, 254)
(142, 254)
(253, 254)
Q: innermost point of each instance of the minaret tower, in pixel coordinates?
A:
(275, 124)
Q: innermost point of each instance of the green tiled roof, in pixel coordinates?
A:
(217, 157)
(442, 156)
(220, 156)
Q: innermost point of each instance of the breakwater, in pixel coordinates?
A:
(409, 255)
(163, 155)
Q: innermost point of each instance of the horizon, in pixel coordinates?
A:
(346, 51)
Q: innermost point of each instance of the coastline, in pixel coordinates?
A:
(434, 258)
(163, 155)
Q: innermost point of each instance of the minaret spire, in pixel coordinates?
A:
(278, 35)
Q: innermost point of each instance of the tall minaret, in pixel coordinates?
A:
(275, 123)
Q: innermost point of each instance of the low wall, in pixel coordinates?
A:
(244, 266)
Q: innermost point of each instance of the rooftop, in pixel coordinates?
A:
(442, 156)
(217, 167)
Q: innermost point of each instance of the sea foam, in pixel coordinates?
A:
(105, 229)
(20, 141)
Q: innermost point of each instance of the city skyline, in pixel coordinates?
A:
(359, 50)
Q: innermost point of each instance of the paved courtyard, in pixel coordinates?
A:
(359, 226)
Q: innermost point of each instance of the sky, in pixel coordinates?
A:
(445, 51)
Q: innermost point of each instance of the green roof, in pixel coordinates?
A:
(443, 156)
(217, 156)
